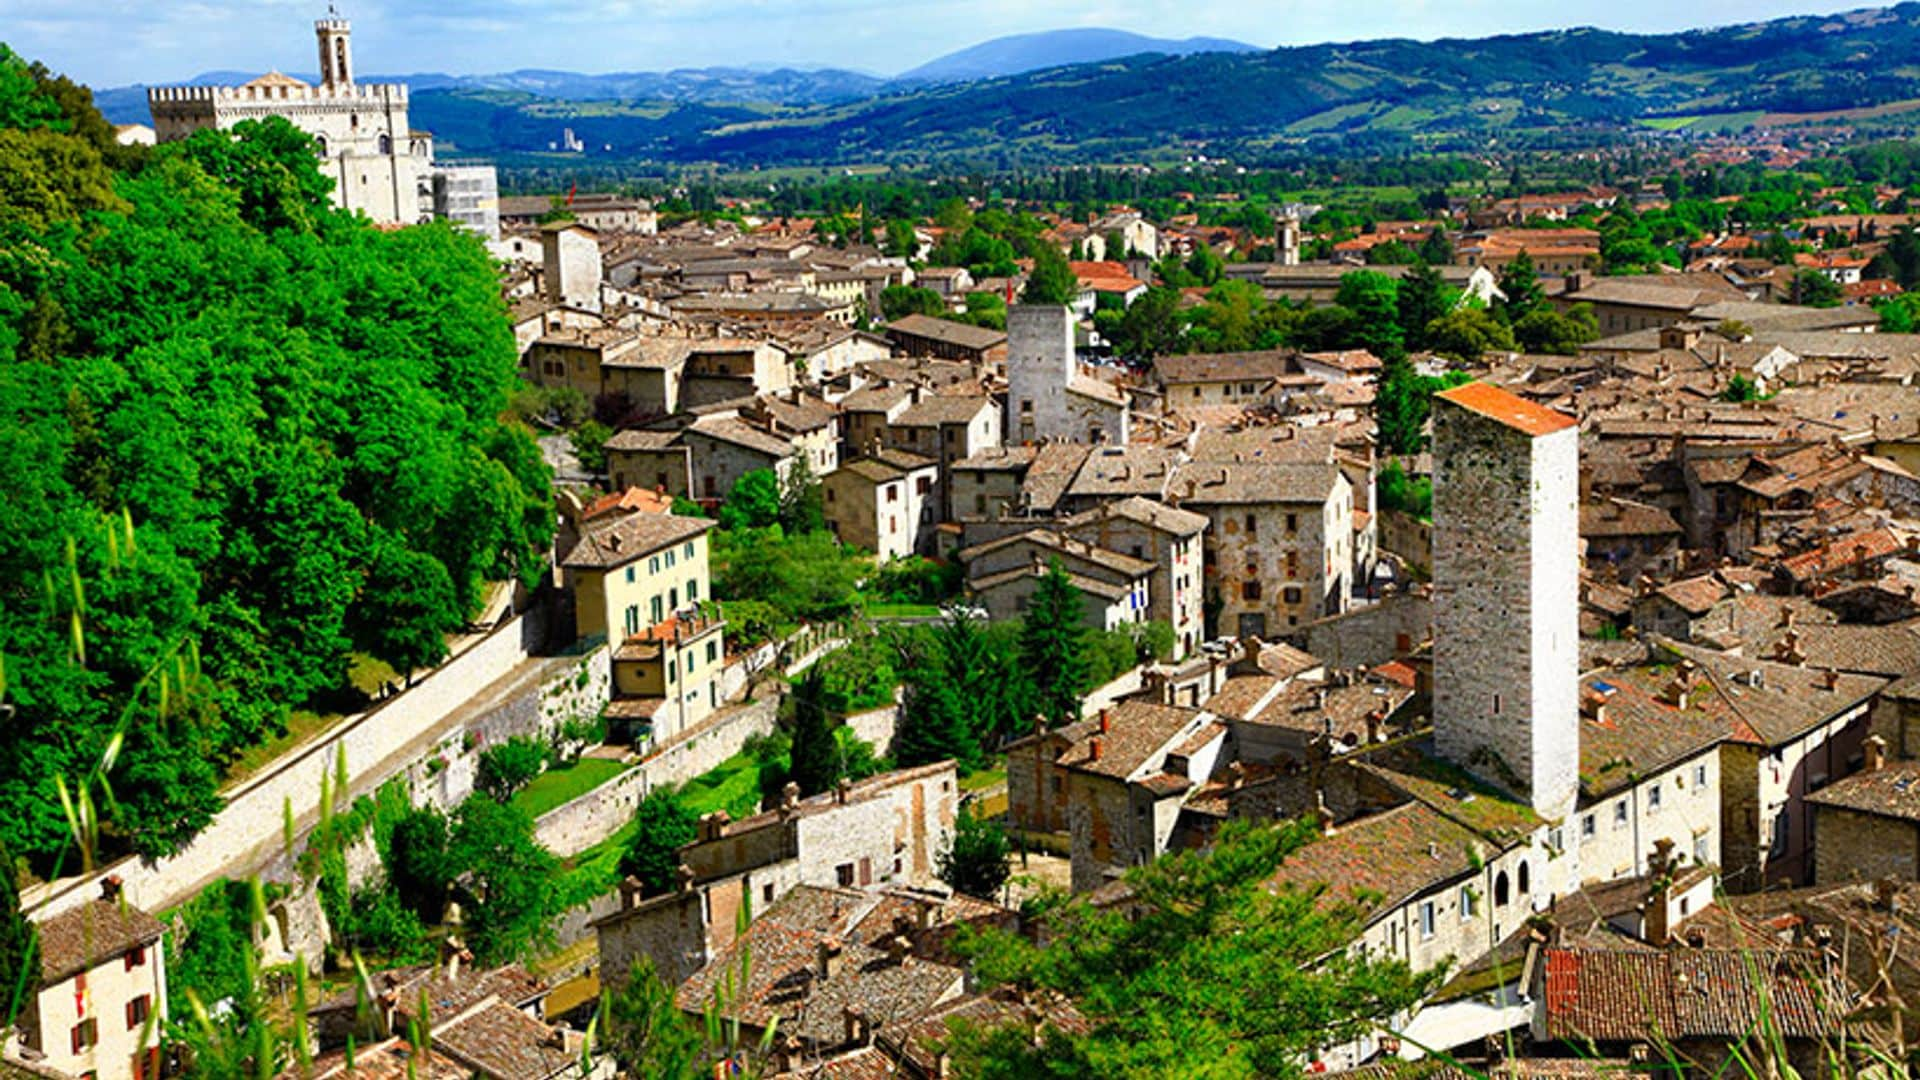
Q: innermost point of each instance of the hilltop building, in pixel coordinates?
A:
(379, 165)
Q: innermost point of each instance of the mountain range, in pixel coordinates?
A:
(1859, 66)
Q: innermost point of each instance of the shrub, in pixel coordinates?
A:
(510, 766)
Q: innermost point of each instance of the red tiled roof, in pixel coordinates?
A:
(1515, 412)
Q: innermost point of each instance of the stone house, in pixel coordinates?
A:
(656, 459)
(580, 359)
(1869, 823)
(1126, 774)
(1221, 378)
(885, 830)
(944, 339)
(635, 571)
(1794, 730)
(723, 369)
(1279, 541)
(1629, 538)
(1164, 536)
(1003, 574)
(947, 427)
(99, 1005)
(883, 503)
(810, 422)
(722, 447)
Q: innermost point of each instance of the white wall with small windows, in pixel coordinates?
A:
(1615, 834)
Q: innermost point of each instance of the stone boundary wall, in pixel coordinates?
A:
(250, 827)
(876, 727)
(578, 825)
(1408, 537)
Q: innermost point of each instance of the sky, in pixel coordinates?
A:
(118, 42)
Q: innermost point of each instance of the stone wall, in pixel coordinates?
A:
(1371, 635)
(1864, 847)
(248, 831)
(598, 814)
(876, 728)
(1408, 537)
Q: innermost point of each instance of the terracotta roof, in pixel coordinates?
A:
(865, 1063)
(1138, 731)
(503, 1043)
(1622, 996)
(1893, 790)
(1638, 732)
(633, 500)
(622, 540)
(1352, 361)
(87, 936)
(1515, 412)
(1789, 700)
(1382, 861)
(1099, 389)
(1843, 553)
(946, 331)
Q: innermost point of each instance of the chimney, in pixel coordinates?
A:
(859, 1033)
(1106, 721)
(1829, 679)
(1786, 617)
(110, 887)
(1875, 749)
(1094, 746)
(828, 957)
(1374, 720)
(1321, 813)
(713, 826)
(629, 893)
(1658, 929)
(683, 878)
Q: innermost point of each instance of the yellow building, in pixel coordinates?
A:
(637, 580)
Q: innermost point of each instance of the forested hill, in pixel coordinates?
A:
(247, 439)
(1579, 79)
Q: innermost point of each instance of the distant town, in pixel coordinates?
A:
(1452, 619)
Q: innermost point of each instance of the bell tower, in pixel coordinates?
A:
(336, 50)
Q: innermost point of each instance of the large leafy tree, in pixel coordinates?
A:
(1205, 965)
(1422, 298)
(1052, 280)
(508, 882)
(1053, 647)
(245, 436)
(1374, 300)
(1520, 281)
(978, 862)
(662, 825)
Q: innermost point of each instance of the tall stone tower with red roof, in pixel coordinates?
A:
(1506, 564)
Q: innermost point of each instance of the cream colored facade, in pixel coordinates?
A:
(626, 600)
(104, 1022)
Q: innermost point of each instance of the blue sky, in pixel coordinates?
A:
(115, 42)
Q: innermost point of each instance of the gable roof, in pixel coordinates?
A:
(87, 936)
(1621, 996)
(628, 538)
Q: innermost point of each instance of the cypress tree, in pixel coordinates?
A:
(1053, 647)
(815, 758)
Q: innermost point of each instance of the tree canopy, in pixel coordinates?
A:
(246, 435)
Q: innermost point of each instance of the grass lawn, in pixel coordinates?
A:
(984, 778)
(733, 786)
(557, 787)
(883, 610)
(596, 870)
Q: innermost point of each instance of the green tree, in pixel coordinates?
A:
(1739, 389)
(901, 241)
(1403, 402)
(808, 577)
(1544, 330)
(662, 825)
(978, 862)
(508, 882)
(405, 607)
(1466, 333)
(1205, 266)
(589, 442)
(1052, 640)
(1521, 284)
(1150, 326)
(1814, 289)
(985, 309)
(1052, 280)
(1374, 300)
(753, 502)
(1205, 964)
(815, 762)
(803, 507)
(418, 861)
(509, 766)
(1899, 314)
(935, 721)
(900, 301)
(270, 164)
(646, 1031)
(1422, 298)
(1437, 249)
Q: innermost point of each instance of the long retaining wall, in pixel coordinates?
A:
(249, 829)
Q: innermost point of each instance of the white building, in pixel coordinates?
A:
(378, 164)
(1048, 397)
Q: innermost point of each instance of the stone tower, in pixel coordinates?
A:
(1506, 534)
(336, 51)
(1287, 241)
(1040, 364)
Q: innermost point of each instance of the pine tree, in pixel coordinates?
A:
(1423, 297)
(815, 758)
(1053, 647)
(1521, 284)
(934, 720)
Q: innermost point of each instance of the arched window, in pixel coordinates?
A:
(1524, 882)
(321, 140)
(1500, 890)
(386, 144)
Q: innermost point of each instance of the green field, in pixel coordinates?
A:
(733, 786)
(557, 787)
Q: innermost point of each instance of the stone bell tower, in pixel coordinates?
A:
(336, 51)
